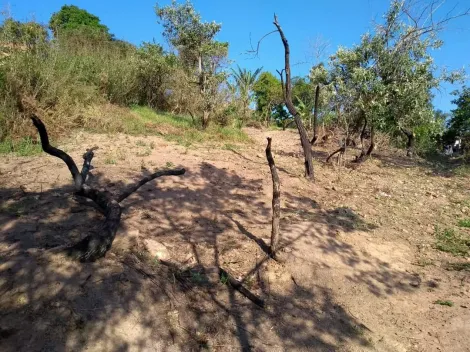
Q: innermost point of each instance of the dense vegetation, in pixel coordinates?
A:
(71, 72)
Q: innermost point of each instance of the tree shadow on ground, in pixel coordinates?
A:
(127, 301)
(435, 164)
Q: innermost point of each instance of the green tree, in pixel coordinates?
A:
(155, 68)
(459, 123)
(201, 54)
(268, 96)
(72, 19)
(243, 87)
(387, 79)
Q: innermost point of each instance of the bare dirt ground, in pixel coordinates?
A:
(360, 270)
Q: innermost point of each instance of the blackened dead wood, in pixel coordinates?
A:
(87, 157)
(94, 246)
(372, 141)
(77, 177)
(363, 133)
(306, 146)
(315, 116)
(237, 285)
(276, 200)
(132, 188)
(340, 150)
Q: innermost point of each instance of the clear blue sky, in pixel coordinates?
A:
(339, 22)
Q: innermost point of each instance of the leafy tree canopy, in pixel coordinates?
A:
(71, 18)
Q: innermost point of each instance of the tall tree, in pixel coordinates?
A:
(244, 82)
(268, 95)
(195, 42)
(387, 79)
(459, 122)
(72, 19)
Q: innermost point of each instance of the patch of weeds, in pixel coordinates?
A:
(110, 160)
(424, 262)
(152, 145)
(462, 170)
(464, 223)
(228, 146)
(444, 303)
(197, 277)
(458, 266)
(224, 279)
(250, 282)
(169, 165)
(146, 152)
(451, 242)
(21, 147)
(140, 143)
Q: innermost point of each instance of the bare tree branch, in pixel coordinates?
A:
(254, 51)
(132, 188)
(96, 245)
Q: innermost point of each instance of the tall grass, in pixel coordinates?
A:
(75, 81)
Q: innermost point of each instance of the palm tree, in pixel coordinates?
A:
(244, 81)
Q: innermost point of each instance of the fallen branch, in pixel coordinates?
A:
(237, 285)
(94, 246)
(340, 150)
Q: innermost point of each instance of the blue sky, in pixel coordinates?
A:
(305, 22)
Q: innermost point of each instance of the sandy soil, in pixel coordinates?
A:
(359, 272)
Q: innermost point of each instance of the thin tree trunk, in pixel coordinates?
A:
(363, 132)
(372, 141)
(315, 116)
(276, 200)
(306, 146)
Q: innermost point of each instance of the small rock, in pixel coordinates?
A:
(157, 250)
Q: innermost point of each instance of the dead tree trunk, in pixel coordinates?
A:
(410, 145)
(363, 133)
(95, 246)
(306, 146)
(372, 141)
(315, 116)
(276, 201)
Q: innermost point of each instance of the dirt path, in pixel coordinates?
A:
(361, 273)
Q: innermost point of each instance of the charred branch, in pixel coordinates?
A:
(306, 146)
(94, 246)
(315, 116)
(276, 200)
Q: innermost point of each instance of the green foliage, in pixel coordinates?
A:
(202, 56)
(458, 266)
(21, 147)
(444, 303)
(268, 96)
(242, 89)
(464, 223)
(450, 241)
(71, 19)
(388, 78)
(459, 123)
(28, 34)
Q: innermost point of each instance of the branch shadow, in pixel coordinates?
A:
(127, 301)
